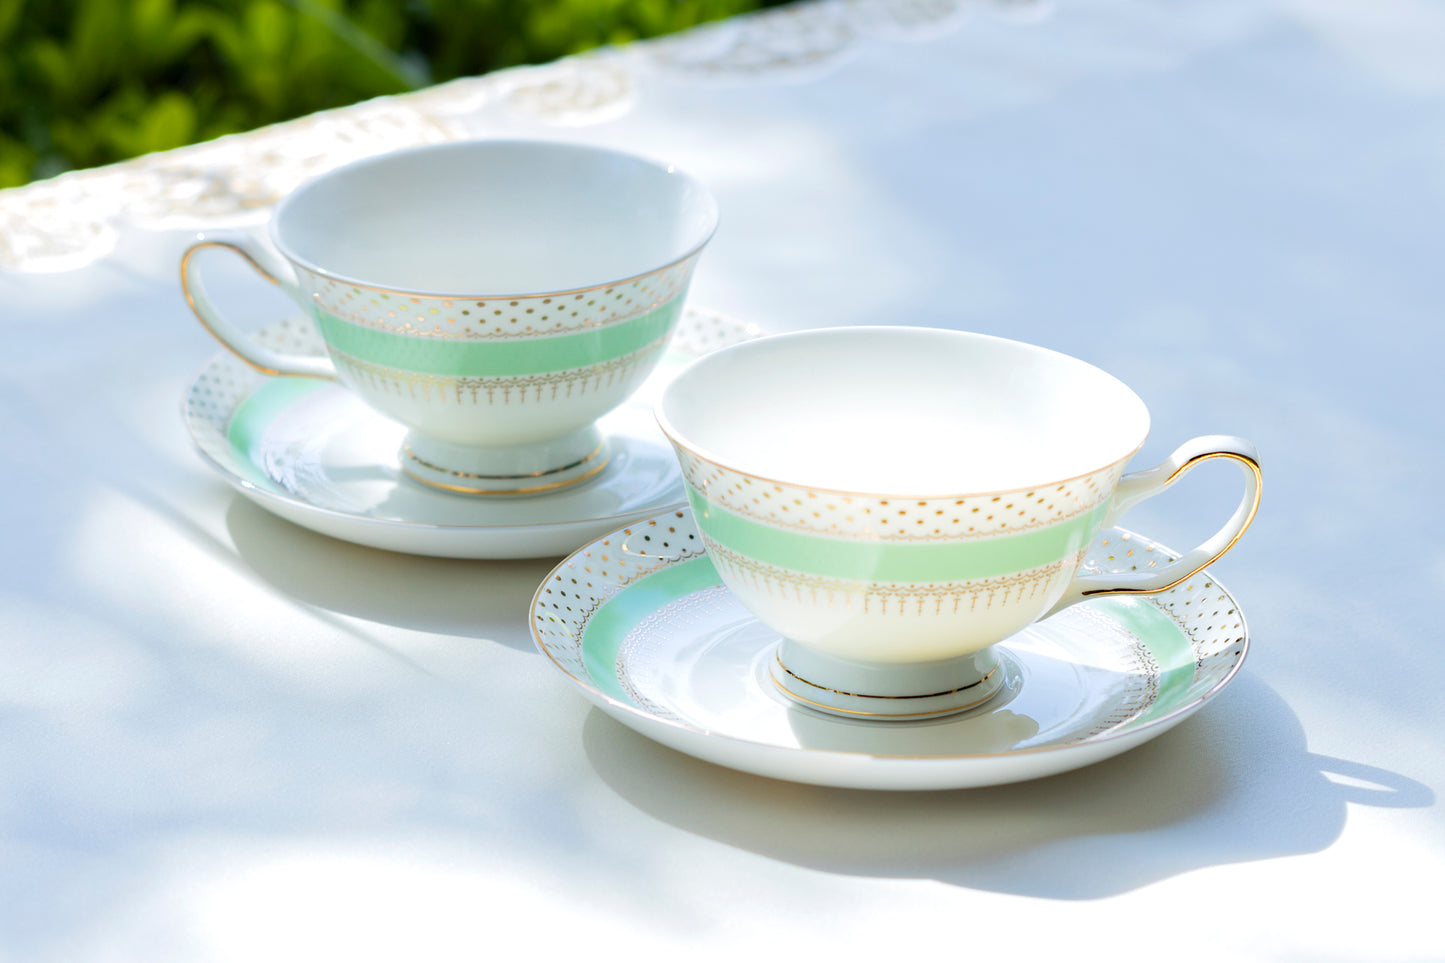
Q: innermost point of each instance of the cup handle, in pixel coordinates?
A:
(273, 269)
(1137, 486)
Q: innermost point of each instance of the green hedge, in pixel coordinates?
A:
(88, 82)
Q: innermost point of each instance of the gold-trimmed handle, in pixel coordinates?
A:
(1137, 486)
(263, 359)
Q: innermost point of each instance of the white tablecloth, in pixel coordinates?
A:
(223, 737)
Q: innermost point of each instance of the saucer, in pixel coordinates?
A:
(311, 452)
(641, 624)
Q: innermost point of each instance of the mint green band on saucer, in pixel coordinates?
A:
(456, 357)
(620, 614)
(895, 561)
(257, 412)
(1175, 662)
(250, 421)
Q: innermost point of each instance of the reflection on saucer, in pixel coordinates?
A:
(981, 731)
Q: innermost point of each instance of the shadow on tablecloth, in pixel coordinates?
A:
(486, 599)
(1182, 802)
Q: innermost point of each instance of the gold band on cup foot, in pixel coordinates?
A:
(981, 671)
(490, 473)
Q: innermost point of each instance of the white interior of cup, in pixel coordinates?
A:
(905, 411)
(487, 218)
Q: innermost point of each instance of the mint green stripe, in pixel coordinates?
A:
(620, 614)
(478, 359)
(894, 561)
(1165, 641)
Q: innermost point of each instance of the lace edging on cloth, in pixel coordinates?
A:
(71, 219)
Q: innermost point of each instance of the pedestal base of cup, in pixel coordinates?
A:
(907, 692)
(505, 470)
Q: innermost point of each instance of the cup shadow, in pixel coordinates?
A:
(485, 599)
(1179, 803)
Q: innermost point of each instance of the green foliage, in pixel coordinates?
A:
(87, 82)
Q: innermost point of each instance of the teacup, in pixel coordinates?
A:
(895, 501)
(495, 297)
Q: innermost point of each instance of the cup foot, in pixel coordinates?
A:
(910, 692)
(505, 470)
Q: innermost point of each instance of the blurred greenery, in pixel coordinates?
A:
(88, 82)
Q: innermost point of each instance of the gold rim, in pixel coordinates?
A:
(535, 474)
(864, 695)
(672, 437)
(879, 715)
(527, 490)
(427, 295)
(696, 249)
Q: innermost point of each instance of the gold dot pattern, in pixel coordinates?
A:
(577, 588)
(502, 318)
(886, 518)
(1206, 612)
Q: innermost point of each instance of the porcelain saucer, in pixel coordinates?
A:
(641, 624)
(312, 453)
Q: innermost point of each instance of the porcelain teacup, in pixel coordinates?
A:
(495, 297)
(895, 501)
